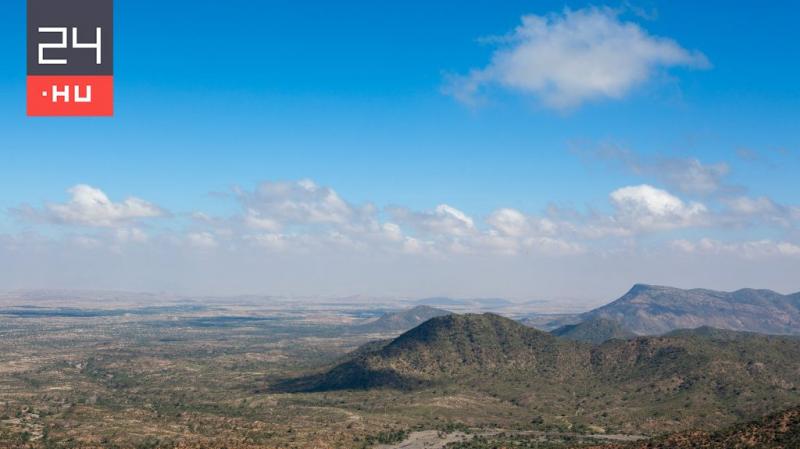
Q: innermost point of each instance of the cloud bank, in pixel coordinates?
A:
(302, 237)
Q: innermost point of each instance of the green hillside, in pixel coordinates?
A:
(646, 384)
(594, 331)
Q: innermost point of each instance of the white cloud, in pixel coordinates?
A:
(553, 246)
(752, 206)
(274, 204)
(393, 232)
(89, 206)
(311, 238)
(445, 220)
(302, 218)
(742, 210)
(747, 249)
(578, 56)
(131, 235)
(514, 223)
(412, 245)
(687, 175)
(695, 178)
(647, 208)
(509, 222)
(270, 241)
(692, 176)
(254, 220)
(203, 240)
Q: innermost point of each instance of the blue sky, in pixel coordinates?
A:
(213, 99)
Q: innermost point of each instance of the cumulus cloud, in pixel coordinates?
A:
(90, 206)
(690, 176)
(303, 218)
(444, 220)
(299, 215)
(647, 208)
(300, 236)
(514, 223)
(275, 204)
(578, 56)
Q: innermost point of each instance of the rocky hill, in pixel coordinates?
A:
(655, 310)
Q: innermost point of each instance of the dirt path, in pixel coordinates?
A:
(432, 439)
(428, 439)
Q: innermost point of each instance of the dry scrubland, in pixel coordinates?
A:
(196, 376)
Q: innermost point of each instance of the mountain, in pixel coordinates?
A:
(777, 431)
(479, 303)
(465, 346)
(690, 378)
(655, 310)
(401, 321)
(594, 331)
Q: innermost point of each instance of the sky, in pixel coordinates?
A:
(522, 149)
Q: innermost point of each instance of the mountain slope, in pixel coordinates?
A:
(550, 321)
(655, 310)
(402, 321)
(454, 346)
(594, 331)
(777, 431)
(677, 381)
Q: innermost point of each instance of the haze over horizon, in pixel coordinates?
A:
(527, 151)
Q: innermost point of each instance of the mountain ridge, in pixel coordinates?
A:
(654, 310)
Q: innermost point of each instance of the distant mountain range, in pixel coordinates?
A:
(401, 321)
(486, 303)
(702, 376)
(656, 310)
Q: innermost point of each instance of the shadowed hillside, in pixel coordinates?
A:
(685, 378)
(462, 346)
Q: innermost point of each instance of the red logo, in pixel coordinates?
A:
(70, 95)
